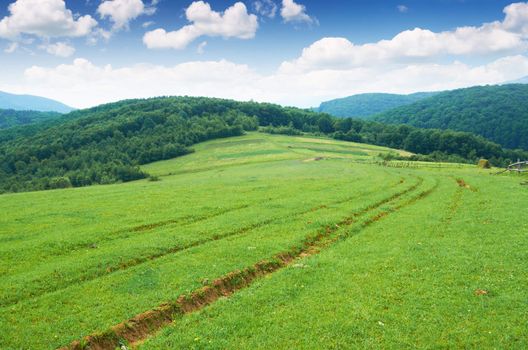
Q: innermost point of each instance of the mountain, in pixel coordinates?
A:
(10, 117)
(106, 144)
(364, 105)
(498, 113)
(523, 80)
(33, 103)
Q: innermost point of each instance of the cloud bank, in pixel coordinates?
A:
(83, 83)
(413, 60)
(419, 45)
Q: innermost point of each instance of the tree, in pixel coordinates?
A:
(325, 125)
(60, 182)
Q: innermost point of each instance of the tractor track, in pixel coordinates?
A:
(148, 323)
(123, 265)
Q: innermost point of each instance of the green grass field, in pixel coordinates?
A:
(416, 255)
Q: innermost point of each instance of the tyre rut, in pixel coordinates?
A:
(147, 323)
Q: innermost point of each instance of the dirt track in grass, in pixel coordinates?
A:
(145, 324)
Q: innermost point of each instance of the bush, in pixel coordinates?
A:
(281, 130)
(60, 182)
(484, 164)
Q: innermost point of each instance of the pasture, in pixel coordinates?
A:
(362, 253)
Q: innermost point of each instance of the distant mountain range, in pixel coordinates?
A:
(365, 105)
(31, 103)
(523, 80)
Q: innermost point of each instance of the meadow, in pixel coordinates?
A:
(362, 253)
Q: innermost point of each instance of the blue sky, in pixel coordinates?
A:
(85, 52)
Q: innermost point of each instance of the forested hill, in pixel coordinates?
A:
(10, 117)
(499, 113)
(107, 144)
(33, 103)
(364, 105)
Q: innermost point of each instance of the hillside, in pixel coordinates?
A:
(31, 103)
(498, 113)
(364, 105)
(108, 143)
(10, 117)
(313, 240)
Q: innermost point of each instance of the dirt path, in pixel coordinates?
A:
(148, 323)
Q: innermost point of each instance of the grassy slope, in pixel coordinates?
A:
(78, 261)
(407, 282)
(73, 260)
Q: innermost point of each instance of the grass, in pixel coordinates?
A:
(446, 272)
(76, 262)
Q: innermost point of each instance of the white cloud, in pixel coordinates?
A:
(516, 19)
(12, 47)
(409, 46)
(266, 8)
(121, 12)
(420, 45)
(234, 22)
(294, 12)
(201, 48)
(84, 84)
(329, 68)
(59, 49)
(402, 8)
(147, 24)
(43, 18)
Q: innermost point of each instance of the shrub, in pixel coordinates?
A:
(484, 164)
(60, 182)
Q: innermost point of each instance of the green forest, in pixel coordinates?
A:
(11, 117)
(499, 113)
(106, 144)
(365, 105)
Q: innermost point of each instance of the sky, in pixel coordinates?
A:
(291, 52)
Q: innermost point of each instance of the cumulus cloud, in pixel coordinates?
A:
(43, 18)
(516, 19)
(294, 12)
(121, 12)
(329, 68)
(420, 45)
(235, 22)
(59, 49)
(266, 8)
(83, 84)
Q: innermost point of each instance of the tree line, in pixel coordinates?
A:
(108, 143)
(10, 117)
